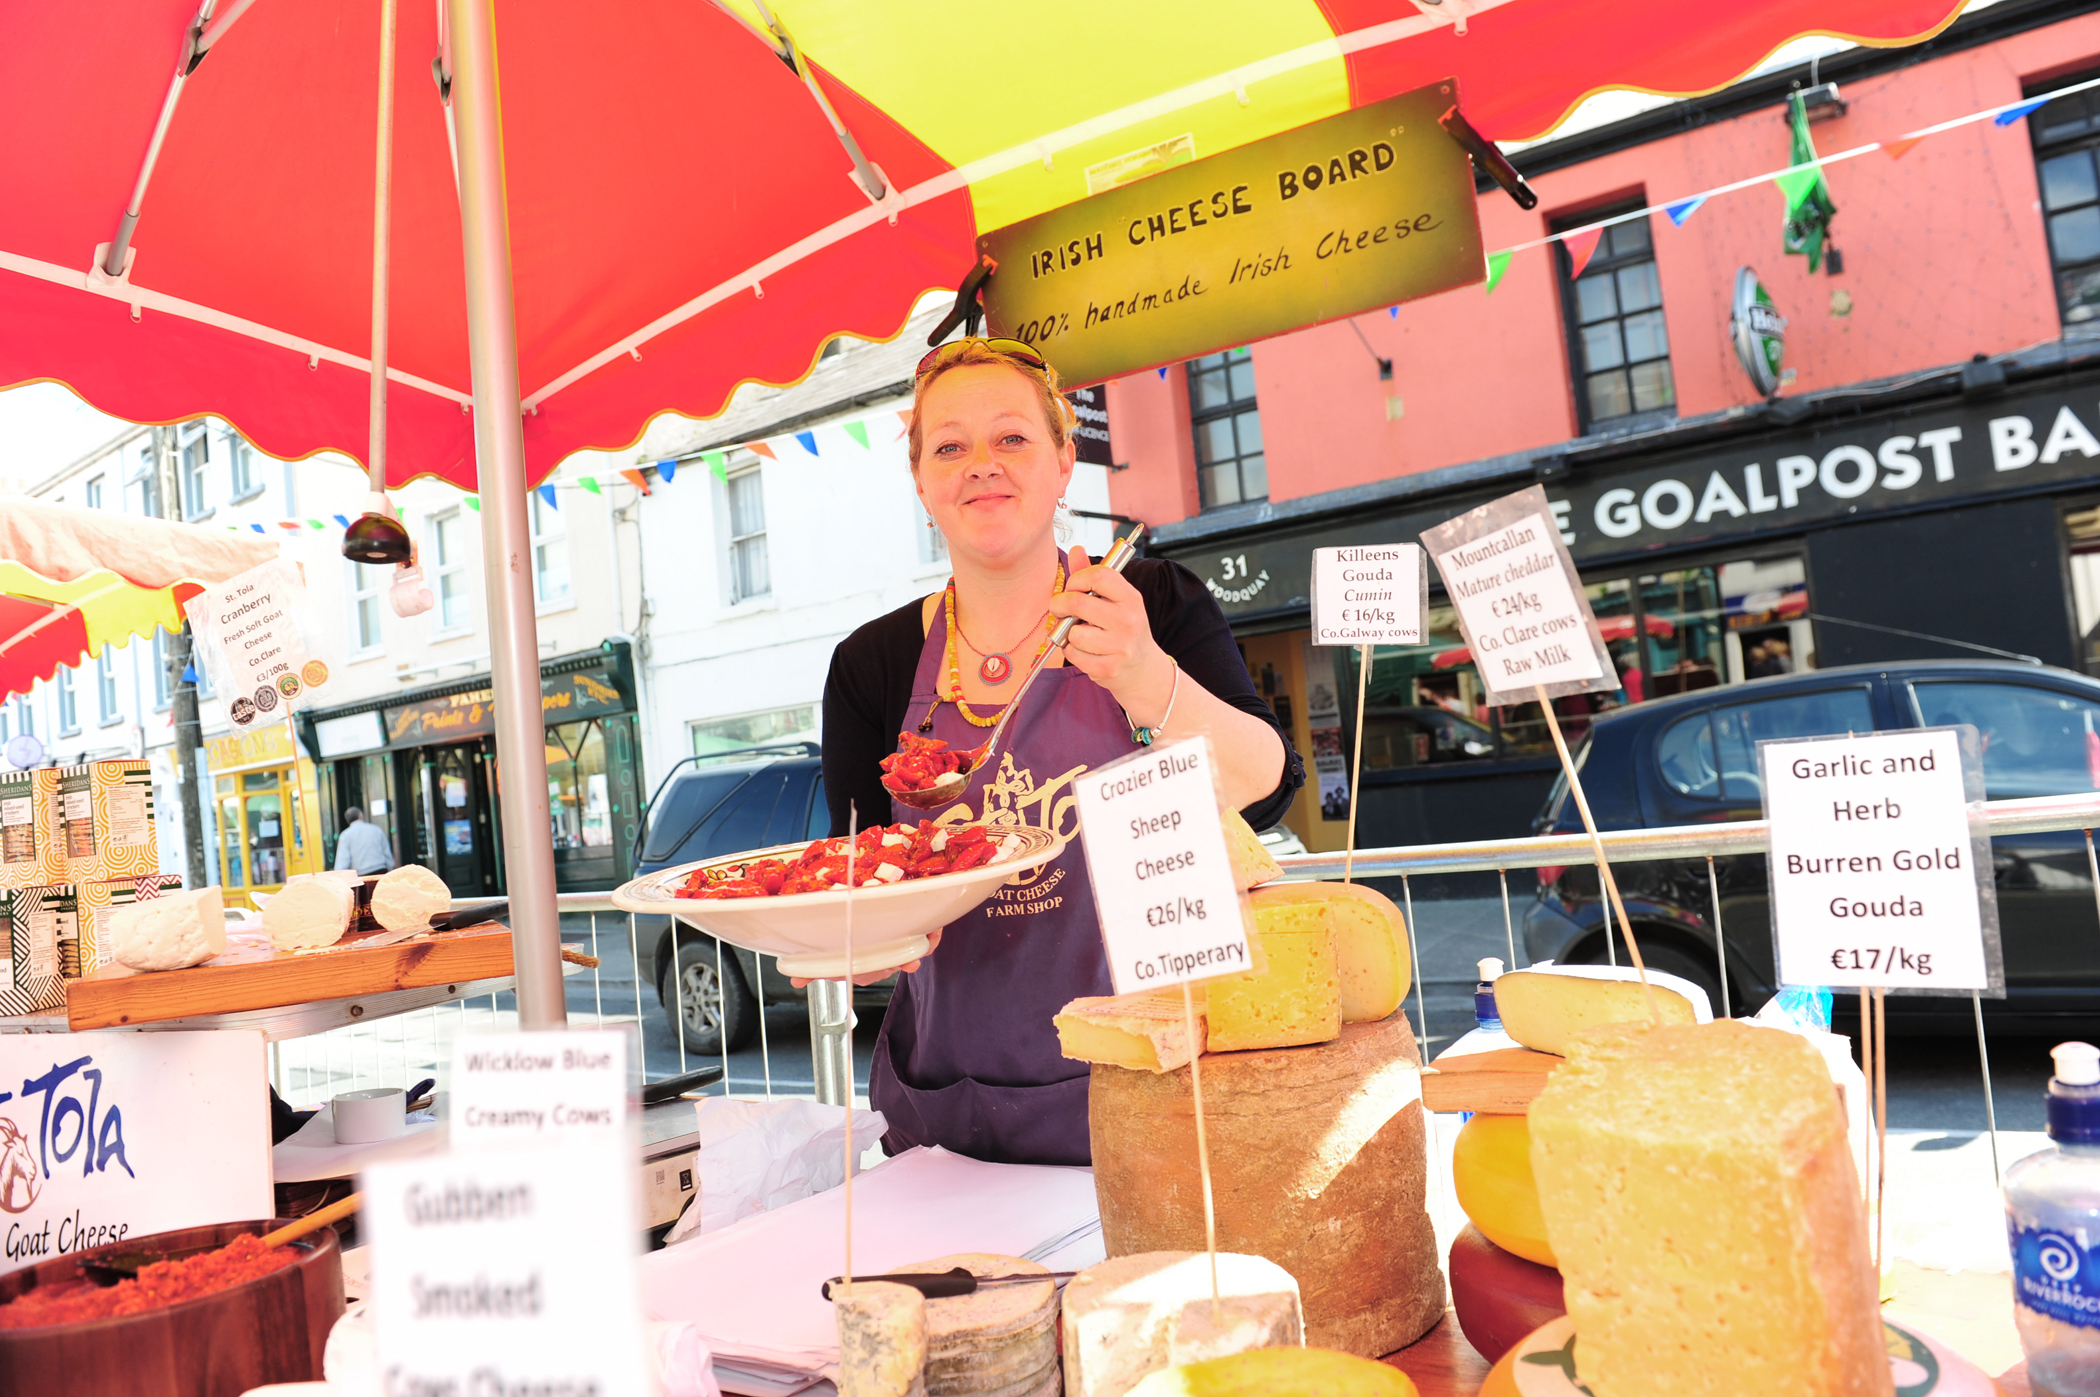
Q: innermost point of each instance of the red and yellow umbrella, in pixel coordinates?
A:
(697, 194)
(75, 580)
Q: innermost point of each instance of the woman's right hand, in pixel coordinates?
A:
(933, 942)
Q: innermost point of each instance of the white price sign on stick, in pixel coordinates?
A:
(527, 1089)
(255, 645)
(1879, 865)
(1370, 595)
(1520, 601)
(1170, 909)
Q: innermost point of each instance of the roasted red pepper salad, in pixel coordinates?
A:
(886, 854)
(919, 763)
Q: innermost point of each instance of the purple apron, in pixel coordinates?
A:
(967, 1058)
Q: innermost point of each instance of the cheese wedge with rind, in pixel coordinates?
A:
(409, 898)
(1252, 863)
(1281, 1372)
(882, 1340)
(1124, 1317)
(1698, 1190)
(1370, 943)
(1546, 1006)
(1296, 999)
(1145, 1032)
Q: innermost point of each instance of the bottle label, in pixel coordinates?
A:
(2054, 1274)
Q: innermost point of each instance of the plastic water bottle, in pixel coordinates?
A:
(1486, 1035)
(2052, 1213)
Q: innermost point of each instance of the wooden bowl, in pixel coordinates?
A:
(271, 1329)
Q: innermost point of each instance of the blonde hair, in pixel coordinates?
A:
(970, 353)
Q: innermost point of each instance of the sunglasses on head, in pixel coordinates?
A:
(1012, 349)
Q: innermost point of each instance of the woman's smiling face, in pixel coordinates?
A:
(989, 470)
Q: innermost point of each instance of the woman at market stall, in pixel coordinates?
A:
(968, 1057)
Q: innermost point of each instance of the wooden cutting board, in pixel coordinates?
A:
(116, 996)
(1503, 1082)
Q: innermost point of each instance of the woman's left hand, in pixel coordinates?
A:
(1112, 644)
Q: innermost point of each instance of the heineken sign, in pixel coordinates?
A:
(1351, 213)
(1759, 332)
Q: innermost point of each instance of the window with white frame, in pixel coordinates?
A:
(550, 551)
(106, 685)
(748, 573)
(933, 544)
(68, 709)
(25, 716)
(365, 582)
(94, 492)
(195, 455)
(144, 482)
(163, 682)
(242, 457)
(448, 554)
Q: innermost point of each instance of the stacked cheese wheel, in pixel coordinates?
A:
(999, 1341)
(1312, 1108)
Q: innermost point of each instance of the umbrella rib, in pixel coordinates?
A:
(961, 177)
(135, 294)
(58, 612)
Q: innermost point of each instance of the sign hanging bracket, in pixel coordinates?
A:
(1490, 159)
(968, 309)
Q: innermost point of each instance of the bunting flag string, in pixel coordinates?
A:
(1793, 181)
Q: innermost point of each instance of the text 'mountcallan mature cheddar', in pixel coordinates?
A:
(1546, 1006)
(1698, 1191)
(1297, 999)
(1370, 942)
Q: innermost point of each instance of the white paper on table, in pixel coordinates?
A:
(759, 1155)
(754, 1290)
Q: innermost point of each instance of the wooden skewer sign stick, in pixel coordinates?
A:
(1604, 875)
(1356, 768)
(1881, 1124)
(1210, 1213)
(852, 848)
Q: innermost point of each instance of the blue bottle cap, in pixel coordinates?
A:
(2074, 1095)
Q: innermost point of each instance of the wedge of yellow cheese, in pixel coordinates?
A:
(1491, 1174)
(1146, 1032)
(1370, 943)
(1698, 1190)
(1296, 999)
(1252, 863)
(1545, 1007)
(1280, 1372)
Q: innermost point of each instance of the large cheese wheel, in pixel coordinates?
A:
(1317, 1161)
(1280, 1372)
(1491, 1173)
(1370, 943)
(1499, 1298)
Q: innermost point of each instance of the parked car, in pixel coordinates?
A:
(1692, 759)
(708, 807)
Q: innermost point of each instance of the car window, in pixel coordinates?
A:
(1740, 727)
(740, 822)
(682, 805)
(1686, 756)
(2036, 742)
(791, 810)
(819, 814)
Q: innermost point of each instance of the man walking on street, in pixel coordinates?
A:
(363, 847)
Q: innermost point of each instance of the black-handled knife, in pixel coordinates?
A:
(937, 1285)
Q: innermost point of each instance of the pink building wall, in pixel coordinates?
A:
(1944, 251)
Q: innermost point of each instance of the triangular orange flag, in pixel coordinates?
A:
(1900, 147)
(760, 448)
(1581, 247)
(636, 479)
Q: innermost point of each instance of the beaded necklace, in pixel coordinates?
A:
(955, 694)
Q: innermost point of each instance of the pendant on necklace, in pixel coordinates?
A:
(995, 669)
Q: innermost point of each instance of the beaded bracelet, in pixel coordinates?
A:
(1143, 737)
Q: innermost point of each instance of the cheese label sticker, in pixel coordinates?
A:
(1878, 872)
(1370, 595)
(1520, 603)
(1169, 905)
(127, 817)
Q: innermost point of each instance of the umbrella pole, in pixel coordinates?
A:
(499, 453)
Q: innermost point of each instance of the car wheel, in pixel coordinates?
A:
(703, 1010)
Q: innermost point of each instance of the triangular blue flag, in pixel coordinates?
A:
(1392, 312)
(2013, 114)
(189, 674)
(257, 527)
(667, 469)
(547, 494)
(344, 521)
(1162, 370)
(1683, 209)
(808, 440)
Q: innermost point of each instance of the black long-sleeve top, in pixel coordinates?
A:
(869, 689)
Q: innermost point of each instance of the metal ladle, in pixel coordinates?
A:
(950, 787)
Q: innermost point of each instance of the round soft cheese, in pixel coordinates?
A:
(1499, 1298)
(310, 910)
(409, 898)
